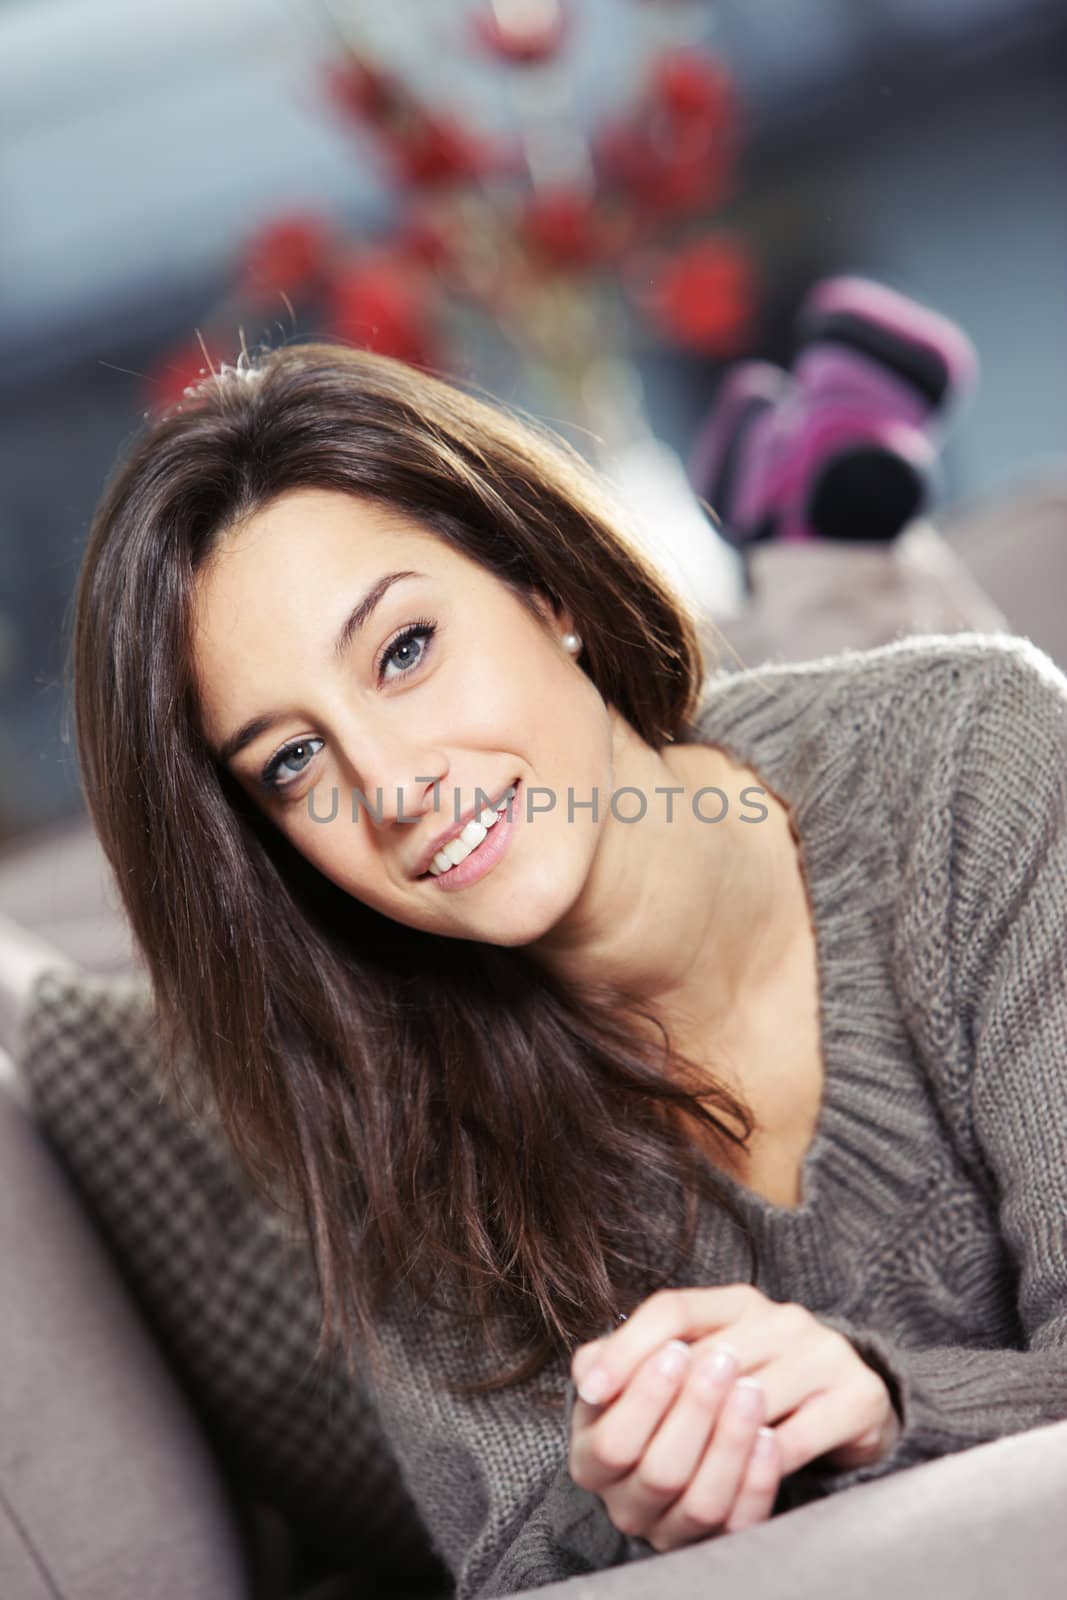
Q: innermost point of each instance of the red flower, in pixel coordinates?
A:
(526, 32)
(625, 155)
(432, 149)
(428, 148)
(377, 301)
(361, 91)
(693, 88)
(704, 296)
(425, 238)
(691, 179)
(286, 256)
(663, 181)
(675, 151)
(566, 227)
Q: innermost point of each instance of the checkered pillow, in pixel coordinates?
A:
(231, 1298)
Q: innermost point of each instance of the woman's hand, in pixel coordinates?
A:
(670, 1448)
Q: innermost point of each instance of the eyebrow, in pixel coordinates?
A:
(357, 618)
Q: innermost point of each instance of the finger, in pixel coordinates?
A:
(676, 1448)
(713, 1489)
(853, 1428)
(759, 1488)
(609, 1441)
(678, 1445)
(667, 1314)
(791, 1360)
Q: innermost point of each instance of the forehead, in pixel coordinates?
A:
(320, 524)
(277, 588)
(301, 554)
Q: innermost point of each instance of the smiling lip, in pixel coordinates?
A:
(455, 830)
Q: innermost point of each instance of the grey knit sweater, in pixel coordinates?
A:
(927, 781)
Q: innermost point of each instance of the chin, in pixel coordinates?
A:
(511, 939)
(532, 913)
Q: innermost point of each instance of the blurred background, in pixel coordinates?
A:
(593, 210)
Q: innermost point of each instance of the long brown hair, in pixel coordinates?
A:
(440, 1116)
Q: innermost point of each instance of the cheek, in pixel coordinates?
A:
(550, 694)
(495, 705)
(341, 851)
(574, 736)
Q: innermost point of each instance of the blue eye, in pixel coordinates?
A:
(268, 777)
(423, 629)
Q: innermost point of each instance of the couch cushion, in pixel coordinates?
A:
(230, 1293)
(108, 1490)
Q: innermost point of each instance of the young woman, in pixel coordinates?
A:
(664, 1066)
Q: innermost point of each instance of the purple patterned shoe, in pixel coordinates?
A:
(860, 477)
(844, 447)
(903, 358)
(737, 459)
(776, 463)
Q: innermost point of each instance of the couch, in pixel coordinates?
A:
(116, 1481)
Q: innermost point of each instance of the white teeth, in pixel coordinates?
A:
(459, 848)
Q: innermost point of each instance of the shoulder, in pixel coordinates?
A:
(966, 738)
(963, 667)
(902, 713)
(1009, 857)
(1018, 696)
(963, 711)
(969, 750)
(936, 665)
(986, 717)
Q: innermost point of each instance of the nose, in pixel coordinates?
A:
(394, 780)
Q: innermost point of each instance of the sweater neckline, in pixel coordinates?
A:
(821, 908)
(866, 1131)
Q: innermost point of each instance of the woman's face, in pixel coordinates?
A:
(479, 696)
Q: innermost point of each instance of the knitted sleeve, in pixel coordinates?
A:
(1008, 968)
(566, 1534)
(492, 1481)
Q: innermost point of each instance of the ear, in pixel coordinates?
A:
(554, 614)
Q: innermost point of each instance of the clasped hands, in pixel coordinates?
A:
(672, 1424)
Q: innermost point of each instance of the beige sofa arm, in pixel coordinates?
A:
(108, 1487)
(976, 1525)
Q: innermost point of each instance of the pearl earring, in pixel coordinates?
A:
(571, 642)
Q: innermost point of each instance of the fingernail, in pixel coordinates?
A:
(747, 1400)
(595, 1386)
(717, 1369)
(765, 1444)
(584, 1357)
(673, 1358)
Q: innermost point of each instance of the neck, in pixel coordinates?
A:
(691, 917)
